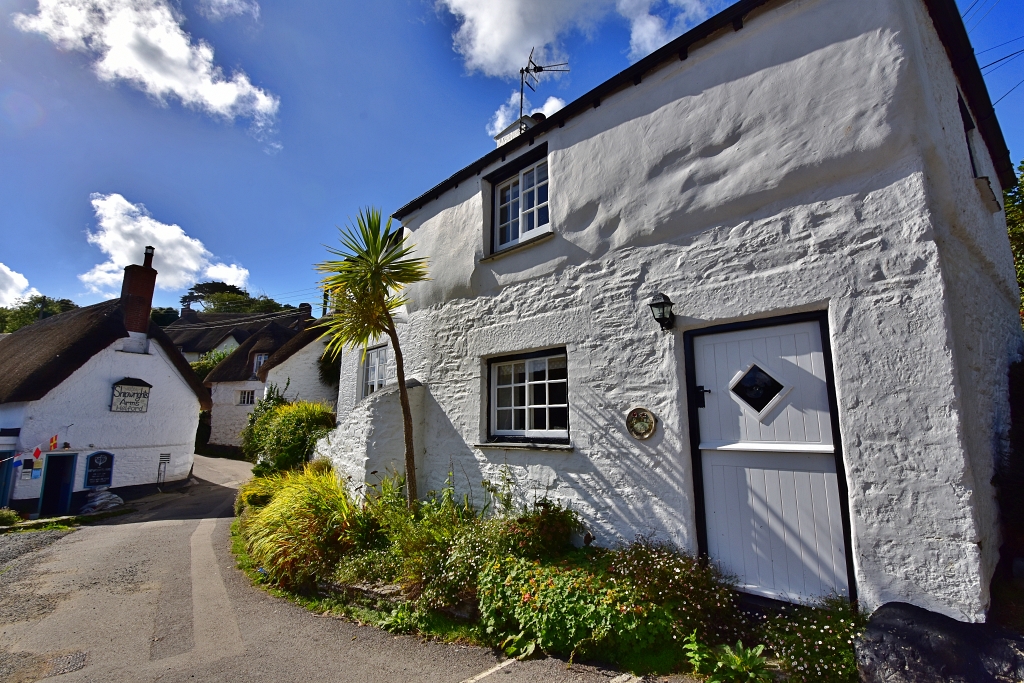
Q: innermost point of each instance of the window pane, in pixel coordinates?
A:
(538, 394)
(559, 418)
(542, 193)
(527, 180)
(557, 393)
(521, 396)
(505, 194)
(504, 419)
(520, 373)
(556, 366)
(537, 370)
(542, 173)
(520, 419)
(529, 222)
(503, 235)
(503, 215)
(538, 418)
(542, 215)
(504, 374)
(515, 190)
(515, 230)
(528, 200)
(505, 397)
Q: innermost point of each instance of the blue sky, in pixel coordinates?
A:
(274, 122)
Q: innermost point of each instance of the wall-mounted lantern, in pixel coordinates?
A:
(661, 307)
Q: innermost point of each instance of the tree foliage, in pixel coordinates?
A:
(220, 297)
(164, 316)
(365, 286)
(208, 361)
(28, 311)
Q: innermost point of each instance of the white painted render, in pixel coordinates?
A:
(300, 373)
(227, 417)
(764, 175)
(136, 439)
(229, 344)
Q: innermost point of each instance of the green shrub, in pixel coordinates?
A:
(282, 436)
(257, 492)
(816, 643)
(740, 665)
(9, 517)
(208, 361)
(307, 526)
(257, 424)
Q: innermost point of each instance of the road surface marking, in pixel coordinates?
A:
(214, 626)
(494, 669)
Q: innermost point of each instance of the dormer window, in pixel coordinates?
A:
(258, 360)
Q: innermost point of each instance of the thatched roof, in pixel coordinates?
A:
(198, 332)
(37, 358)
(293, 346)
(238, 366)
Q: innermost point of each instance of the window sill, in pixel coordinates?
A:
(508, 250)
(528, 446)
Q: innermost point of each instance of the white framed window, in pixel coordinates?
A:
(530, 397)
(247, 397)
(521, 206)
(258, 360)
(378, 369)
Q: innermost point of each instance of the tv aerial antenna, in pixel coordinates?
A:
(528, 78)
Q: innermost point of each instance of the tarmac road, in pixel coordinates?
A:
(155, 596)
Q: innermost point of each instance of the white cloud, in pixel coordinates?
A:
(495, 36)
(142, 42)
(125, 229)
(14, 287)
(508, 112)
(217, 10)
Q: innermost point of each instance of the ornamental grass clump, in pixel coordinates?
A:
(305, 529)
(815, 644)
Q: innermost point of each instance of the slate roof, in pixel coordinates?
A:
(293, 346)
(198, 332)
(37, 358)
(238, 366)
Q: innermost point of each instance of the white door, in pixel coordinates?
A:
(771, 494)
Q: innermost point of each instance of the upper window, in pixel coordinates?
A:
(259, 360)
(247, 397)
(521, 206)
(378, 369)
(529, 397)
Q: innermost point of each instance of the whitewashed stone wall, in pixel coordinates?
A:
(300, 373)
(762, 176)
(136, 439)
(227, 418)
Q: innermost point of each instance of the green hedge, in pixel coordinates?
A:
(282, 436)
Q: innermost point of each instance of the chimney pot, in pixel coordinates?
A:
(147, 261)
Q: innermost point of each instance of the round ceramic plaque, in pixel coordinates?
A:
(640, 423)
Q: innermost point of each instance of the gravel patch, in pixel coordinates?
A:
(15, 544)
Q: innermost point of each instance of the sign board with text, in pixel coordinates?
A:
(131, 395)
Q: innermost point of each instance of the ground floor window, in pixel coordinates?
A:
(529, 396)
(247, 397)
(378, 369)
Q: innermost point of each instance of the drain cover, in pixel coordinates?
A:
(65, 664)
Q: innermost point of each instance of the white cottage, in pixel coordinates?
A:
(813, 183)
(96, 397)
(297, 370)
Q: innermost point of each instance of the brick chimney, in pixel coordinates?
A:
(137, 293)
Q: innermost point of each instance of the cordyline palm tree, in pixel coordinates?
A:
(365, 289)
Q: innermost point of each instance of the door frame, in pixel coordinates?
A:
(46, 468)
(821, 317)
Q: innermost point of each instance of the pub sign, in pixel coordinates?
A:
(131, 395)
(99, 469)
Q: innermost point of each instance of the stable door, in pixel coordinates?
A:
(771, 492)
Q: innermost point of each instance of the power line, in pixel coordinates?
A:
(968, 15)
(1018, 54)
(978, 23)
(969, 9)
(999, 45)
(1008, 92)
(239, 321)
(1012, 54)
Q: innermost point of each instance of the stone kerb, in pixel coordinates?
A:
(369, 442)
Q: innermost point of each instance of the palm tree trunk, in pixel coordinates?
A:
(403, 394)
